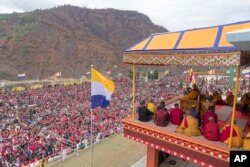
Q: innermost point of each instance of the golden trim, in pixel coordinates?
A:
(195, 59)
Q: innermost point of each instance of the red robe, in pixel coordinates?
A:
(206, 115)
(176, 115)
(211, 131)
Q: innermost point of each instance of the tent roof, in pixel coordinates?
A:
(209, 38)
(210, 42)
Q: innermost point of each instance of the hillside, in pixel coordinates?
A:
(68, 39)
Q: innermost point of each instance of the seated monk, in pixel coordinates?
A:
(211, 130)
(151, 106)
(189, 126)
(246, 143)
(230, 99)
(203, 97)
(176, 115)
(242, 98)
(162, 116)
(144, 114)
(217, 98)
(245, 103)
(209, 102)
(193, 95)
(209, 113)
(237, 137)
(194, 112)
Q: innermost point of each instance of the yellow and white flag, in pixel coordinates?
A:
(101, 90)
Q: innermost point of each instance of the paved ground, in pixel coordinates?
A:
(116, 151)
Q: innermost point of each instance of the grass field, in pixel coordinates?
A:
(116, 151)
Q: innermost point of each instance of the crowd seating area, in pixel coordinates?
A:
(40, 123)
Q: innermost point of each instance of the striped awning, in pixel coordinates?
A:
(203, 46)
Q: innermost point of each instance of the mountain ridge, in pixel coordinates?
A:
(68, 39)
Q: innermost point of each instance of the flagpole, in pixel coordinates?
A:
(91, 138)
(91, 130)
(100, 97)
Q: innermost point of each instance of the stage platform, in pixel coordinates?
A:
(194, 149)
(197, 150)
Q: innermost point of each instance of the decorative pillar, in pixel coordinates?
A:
(152, 157)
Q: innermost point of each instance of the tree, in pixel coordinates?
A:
(138, 75)
(149, 75)
(155, 74)
(130, 74)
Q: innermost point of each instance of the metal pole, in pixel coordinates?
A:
(91, 138)
(133, 94)
(91, 130)
(234, 104)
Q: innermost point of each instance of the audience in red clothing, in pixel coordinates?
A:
(208, 114)
(176, 115)
(162, 116)
(43, 122)
(211, 130)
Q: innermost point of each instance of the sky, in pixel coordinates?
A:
(174, 15)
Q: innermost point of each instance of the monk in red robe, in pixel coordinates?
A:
(237, 137)
(211, 130)
(207, 114)
(176, 115)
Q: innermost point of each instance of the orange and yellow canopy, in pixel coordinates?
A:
(203, 46)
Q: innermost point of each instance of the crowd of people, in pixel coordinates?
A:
(42, 123)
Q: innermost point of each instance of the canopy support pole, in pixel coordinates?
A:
(248, 85)
(236, 89)
(133, 93)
